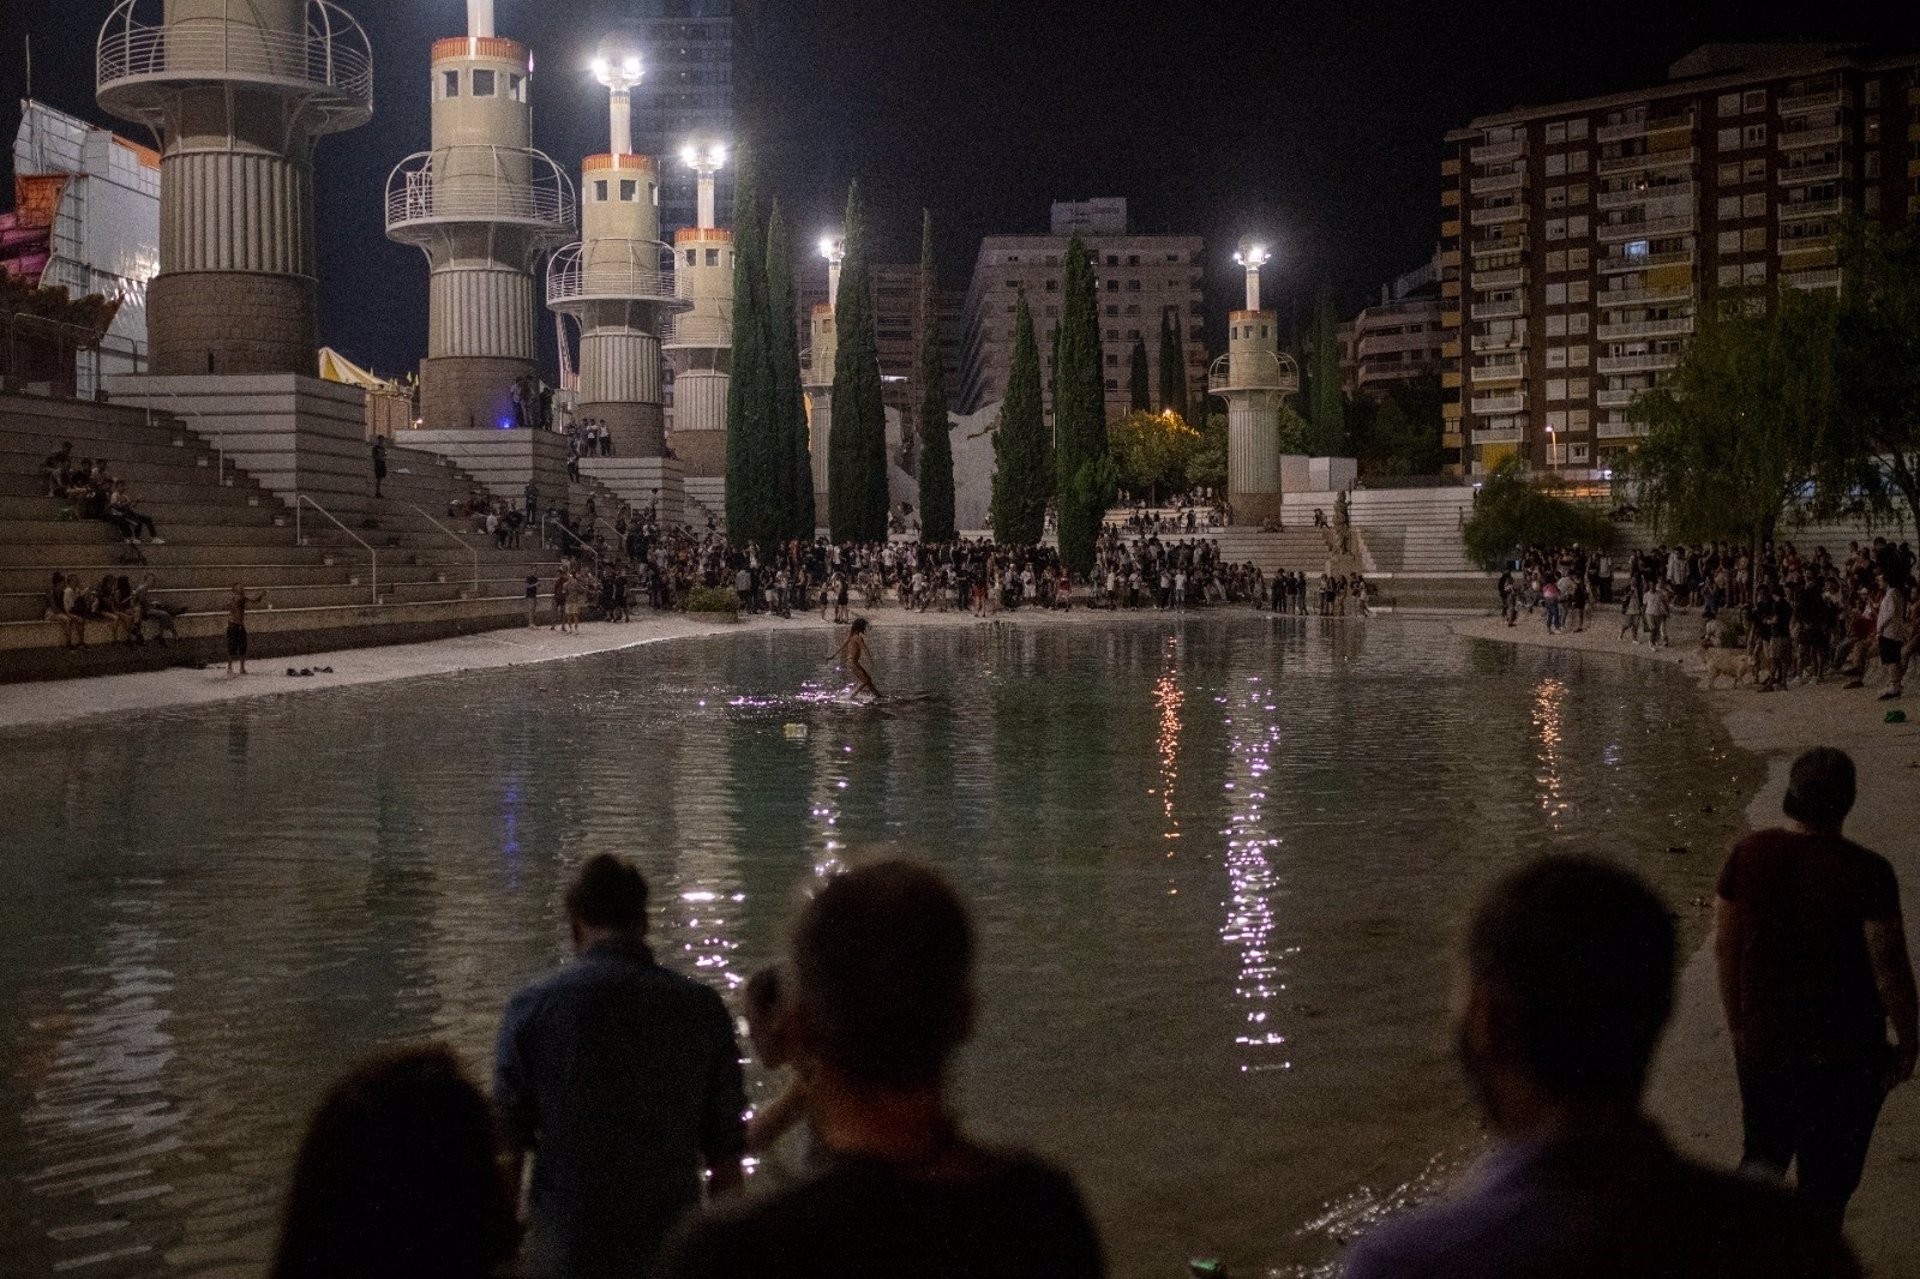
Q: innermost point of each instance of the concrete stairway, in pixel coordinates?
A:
(437, 575)
(706, 501)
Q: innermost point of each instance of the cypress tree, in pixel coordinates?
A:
(857, 497)
(1326, 407)
(1020, 443)
(1139, 380)
(1173, 365)
(793, 467)
(749, 419)
(936, 446)
(1085, 473)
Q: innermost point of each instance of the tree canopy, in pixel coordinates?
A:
(857, 498)
(936, 441)
(1154, 451)
(751, 503)
(1020, 442)
(1512, 513)
(1085, 474)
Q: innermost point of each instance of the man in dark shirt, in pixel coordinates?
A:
(622, 1080)
(1569, 969)
(882, 963)
(1813, 964)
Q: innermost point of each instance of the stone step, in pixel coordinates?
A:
(163, 513)
(30, 606)
(88, 532)
(200, 488)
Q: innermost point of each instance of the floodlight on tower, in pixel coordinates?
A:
(1254, 377)
(700, 343)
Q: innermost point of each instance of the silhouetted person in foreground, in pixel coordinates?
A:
(1813, 965)
(401, 1176)
(1569, 972)
(882, 962)
(622, 1080)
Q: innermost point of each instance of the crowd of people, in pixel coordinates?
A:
(91, 492)
(1790, 617)
(126, 609)
(617, 1138)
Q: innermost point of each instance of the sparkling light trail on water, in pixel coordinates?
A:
(1252, 879)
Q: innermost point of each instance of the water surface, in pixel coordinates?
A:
(1217, 867)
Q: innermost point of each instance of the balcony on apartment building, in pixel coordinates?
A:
(1506, 277)
(1500, 244)
(1512, 368)
(1808, 103)
(1643, 295)
(1498, 214)
(1511, 179)
(1498, 152)
(1823, 277)
(1811, 171)
(1641, 126)
(1616, 397)
(1644, 228)
(1613, 263)
(1513, 341)
(1503, 309)
(1803, 139)
(1512, 401)
(1608, 428)
(1628, 330)
(1374, 344)
(1497, 435)
(1639, 362)
(1646, 192)
(1797, 210)
(1677, 157)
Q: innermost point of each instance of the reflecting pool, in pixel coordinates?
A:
(1217, 867)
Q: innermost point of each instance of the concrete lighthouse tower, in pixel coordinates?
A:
(816, 373)
(236, 92)
(1254, 378)
(614, 281)
(700, 341)
(483, 205)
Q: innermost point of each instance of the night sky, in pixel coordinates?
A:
(1316, 124)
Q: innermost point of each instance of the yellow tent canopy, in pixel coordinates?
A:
(335, 367)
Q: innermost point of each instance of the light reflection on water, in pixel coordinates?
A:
(1199, 852)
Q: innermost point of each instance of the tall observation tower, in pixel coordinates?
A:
(483, 205)
(700, 341)
(237, 92)
(614, 281)
(816, 373)
(1254, 378)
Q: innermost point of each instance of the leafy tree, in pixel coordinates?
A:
(1020, 443)
(857, 498)
(751, 508)
(1878, 373)
(1511, 514)
(1173, 365)
(1153, 451)
(936, 442)
(1207, 463)
(1325, 403)
(1739, 432)
(1139, 379)
(793, 468)
(1085, 474)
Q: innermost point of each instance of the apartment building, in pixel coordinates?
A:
(1396, 339)
(1140, 278)
(896, 324)
(1580, 242)
(687, 95)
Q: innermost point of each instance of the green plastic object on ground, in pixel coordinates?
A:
(1896, 717)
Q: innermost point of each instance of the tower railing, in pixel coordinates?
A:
(712, 327)
(1254, 371)
(330, 62)
(638, 274)
(479, 183)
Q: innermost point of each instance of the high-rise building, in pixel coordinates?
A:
(1140, 278)
(1580, 241)
(687, 96)
(896, 323)
(1396, 339)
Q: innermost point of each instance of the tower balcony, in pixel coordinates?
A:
(701, 326)
(612, 271)
(1253, 371)
(142, 63)
(471, 184)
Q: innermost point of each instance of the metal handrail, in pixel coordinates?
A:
(419, 188)
(463, 543)
(299, 539)
(570, 278)
(333, 52)
(584, 545)
(1258, 371)
(219, 449)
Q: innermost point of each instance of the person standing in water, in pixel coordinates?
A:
(854, 649)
